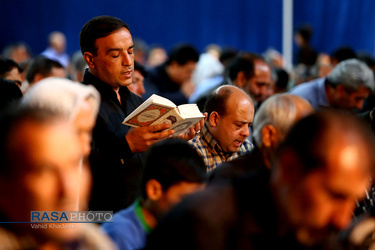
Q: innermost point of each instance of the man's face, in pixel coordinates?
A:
(58, 72)
(50, 176)
(351, 100)
(84, 123)
(324, 199)
(232, 129)
(114, 60)
(55, 72)
(260, 87)
(137, 86)
(15, 76)
(181, 73)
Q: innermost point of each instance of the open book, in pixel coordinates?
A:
(158, 110)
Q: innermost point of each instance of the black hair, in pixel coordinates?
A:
(171, 161)
(6, 65)
(182, 54)
(140, 68)
(9, 93)
(217, 101)
(306, 32)
(97, 27)
(244, 62)
(41, 65)
(343, 53)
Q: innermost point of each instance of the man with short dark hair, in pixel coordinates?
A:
(10, 70)
(172, 79)
(173, 170)
(251, 73)
(116, 161)
(41, 67)
(139, 75)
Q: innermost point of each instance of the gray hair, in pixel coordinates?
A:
(62, 96)
(353, 74)
(281, 111)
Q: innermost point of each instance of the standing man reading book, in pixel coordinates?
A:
(107, 46)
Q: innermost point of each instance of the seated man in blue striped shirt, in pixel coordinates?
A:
(224, 135)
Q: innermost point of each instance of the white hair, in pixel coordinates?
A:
(62, 96)
(281, 111)
(353, 74)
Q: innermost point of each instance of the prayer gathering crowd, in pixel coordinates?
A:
(281, 160)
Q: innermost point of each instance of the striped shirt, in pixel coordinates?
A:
(211, 151)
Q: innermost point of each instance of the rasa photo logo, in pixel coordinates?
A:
(71, 216)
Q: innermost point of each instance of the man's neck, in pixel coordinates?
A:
(266, 156)
(148, 213)
(93, 72)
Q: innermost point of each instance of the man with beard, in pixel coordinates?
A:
(345, 88)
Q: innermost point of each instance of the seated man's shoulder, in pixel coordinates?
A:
(124, 218)
(306, 87)
(125, 230)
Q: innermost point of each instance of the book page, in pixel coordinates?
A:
(178, 122)
(190, 110)
(171, 118)
(162, 101)
(149, 111)
(148, 116)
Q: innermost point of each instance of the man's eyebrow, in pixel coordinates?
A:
(243, 122)
(119, 49)
(114, 49)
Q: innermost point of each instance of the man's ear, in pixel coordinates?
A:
(89, 58)
(38, 77)
(269, 136)
(214, 119)
(241, 80)
(154, 190)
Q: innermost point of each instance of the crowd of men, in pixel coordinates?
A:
(267, 167)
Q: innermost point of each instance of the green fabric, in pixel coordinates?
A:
(140, 216)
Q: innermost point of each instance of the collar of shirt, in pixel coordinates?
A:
(322, 95)
(210, 140)
(105, 90)
(207, 136)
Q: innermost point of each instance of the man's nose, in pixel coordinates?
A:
(343, 216)
(359, 104)
(127, 59)
(245, 131)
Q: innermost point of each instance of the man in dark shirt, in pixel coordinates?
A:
(172, 79)
(107, 47)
